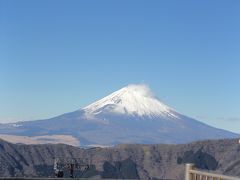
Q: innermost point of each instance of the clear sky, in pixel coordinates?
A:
(59, 56)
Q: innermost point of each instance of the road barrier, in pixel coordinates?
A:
(194, 174)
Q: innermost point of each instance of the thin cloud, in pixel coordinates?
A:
(4, 120)
(232, 119)
(8, 119)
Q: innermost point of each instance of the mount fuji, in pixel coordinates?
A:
(130, 115)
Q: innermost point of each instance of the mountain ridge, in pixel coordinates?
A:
(132, 114)
(135, 161)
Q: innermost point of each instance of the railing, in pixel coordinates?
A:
(193, 174)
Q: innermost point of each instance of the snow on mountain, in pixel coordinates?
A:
(135, 100)
(130, 115)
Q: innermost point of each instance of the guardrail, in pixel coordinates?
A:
(193, 174)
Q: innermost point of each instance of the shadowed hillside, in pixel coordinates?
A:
(123, 161)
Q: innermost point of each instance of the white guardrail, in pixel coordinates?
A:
(193, 174)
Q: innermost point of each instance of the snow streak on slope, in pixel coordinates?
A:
(135, 100)
(130, 115)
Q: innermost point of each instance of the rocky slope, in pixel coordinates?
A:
(123, 161)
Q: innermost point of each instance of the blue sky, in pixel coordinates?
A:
(58, 56)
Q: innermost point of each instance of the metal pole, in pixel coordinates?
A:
(188, 175)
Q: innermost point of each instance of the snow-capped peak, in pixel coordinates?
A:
(134, 99)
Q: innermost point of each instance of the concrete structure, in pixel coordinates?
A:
(193, 174)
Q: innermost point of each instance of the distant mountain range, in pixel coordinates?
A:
(159, 161)
(130, 115)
